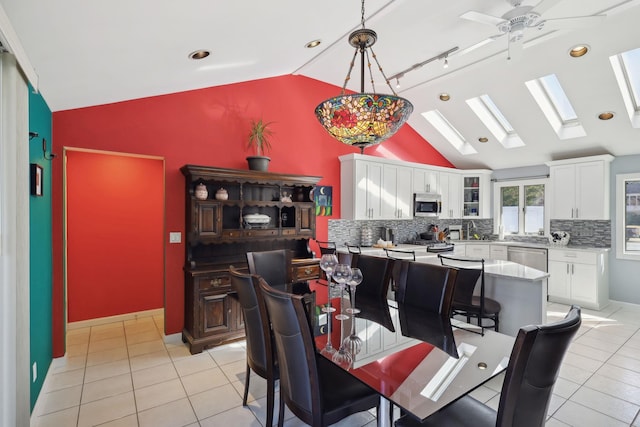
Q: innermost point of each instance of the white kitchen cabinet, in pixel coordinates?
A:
(426, 180)
(478, 250)
(360, 189)
(476, 194)
(579, 277)
(397, 194)
(580, 188)
(459, 249)
(375, 190)
(451, 190)
(498, 252)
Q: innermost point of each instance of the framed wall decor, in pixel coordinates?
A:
(36, 179)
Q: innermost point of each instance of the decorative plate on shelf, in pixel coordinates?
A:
(256, 219)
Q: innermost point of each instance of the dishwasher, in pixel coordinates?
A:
(531, 257)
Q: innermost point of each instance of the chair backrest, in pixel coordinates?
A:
(273, 266)
(260, 356)
(427, 286)
(533, 369)
(376, 272)
(400, 254)
(299, 379)
(326, 247)
(467, 278)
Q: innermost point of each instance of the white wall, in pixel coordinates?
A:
(14, 245)
(623, 274)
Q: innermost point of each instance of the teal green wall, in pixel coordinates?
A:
(40, 270)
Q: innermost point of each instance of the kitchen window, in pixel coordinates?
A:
(628, 213)
(520, 207)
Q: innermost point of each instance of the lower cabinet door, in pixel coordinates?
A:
(584, 286)
(216, 310)
(559, 279)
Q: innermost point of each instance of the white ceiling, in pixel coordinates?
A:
(89, 53)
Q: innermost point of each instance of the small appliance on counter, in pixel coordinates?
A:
(386, 234)
(455, 232)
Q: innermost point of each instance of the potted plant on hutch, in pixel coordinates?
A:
(259, 137)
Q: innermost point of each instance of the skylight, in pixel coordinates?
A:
(626, 67)
(489, 113)
(555, 105)
(450, 133)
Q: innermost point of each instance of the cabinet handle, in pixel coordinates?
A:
(573, 269)
(216, 282)
(571, 212)
(567, 268)
(308, 270)
(577, 216)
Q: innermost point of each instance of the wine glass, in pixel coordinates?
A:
(327, 264)
(356, 279)
(341, 274)
(353, 342)
(342, 357)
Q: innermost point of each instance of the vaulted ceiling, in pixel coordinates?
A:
(90, 53)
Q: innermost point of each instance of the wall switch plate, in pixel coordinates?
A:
(175, 237)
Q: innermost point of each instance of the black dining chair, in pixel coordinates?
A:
(326, 247)
(377, 276)
(426, 286)
(259, 342)
(526, 391)
(275, 268)
(465, 302)
(314, 389)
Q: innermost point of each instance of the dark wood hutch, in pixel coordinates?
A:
(217, 236)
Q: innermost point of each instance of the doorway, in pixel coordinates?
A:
(114, 223)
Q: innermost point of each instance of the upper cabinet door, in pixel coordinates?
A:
(590, 191)
(580, 188)
(425, 181)
(563, 199)
(451, 190)
(361, 198)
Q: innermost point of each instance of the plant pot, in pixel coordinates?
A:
(258, 163)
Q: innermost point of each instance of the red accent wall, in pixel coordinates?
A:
(209, 127)
(114, 233)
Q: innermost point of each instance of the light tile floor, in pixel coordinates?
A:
(124, 374)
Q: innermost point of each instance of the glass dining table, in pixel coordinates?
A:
(418, 361)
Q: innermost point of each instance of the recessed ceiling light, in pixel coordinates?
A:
(444, 97)
(199, 54)
(483, 139)
(607, 115)
(578, 51)
(312, 44)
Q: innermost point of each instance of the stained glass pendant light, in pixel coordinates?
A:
(363, 119)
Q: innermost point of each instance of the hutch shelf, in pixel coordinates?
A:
(240, 211)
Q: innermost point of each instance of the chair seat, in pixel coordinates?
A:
(339, 402)
(491, 306)
(465, 412)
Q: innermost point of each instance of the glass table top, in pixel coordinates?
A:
(414, 359)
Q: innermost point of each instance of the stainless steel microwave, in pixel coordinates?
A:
(427, 204)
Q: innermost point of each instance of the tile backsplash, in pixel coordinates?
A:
(583, 233)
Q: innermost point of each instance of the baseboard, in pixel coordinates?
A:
(118, 318)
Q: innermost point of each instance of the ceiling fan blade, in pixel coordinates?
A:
(545, 5)
(574, 22)
(482, 18)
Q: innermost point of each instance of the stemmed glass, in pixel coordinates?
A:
(342, 357)
(342, 274)
(356, 279)
(353, 342)
(327, 264)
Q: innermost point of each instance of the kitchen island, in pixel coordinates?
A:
(520, 290)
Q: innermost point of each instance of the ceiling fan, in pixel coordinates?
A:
(520, 18)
